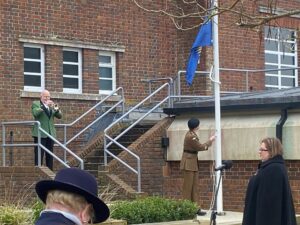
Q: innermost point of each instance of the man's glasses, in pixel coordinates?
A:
(263, 150)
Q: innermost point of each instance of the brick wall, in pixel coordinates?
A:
(242, 48)
(160, 177)
(153, 49)
(149, 149)
(235, 183)
(17, 184)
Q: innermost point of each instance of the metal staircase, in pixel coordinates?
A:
(101, 141)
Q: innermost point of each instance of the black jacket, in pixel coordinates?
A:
(268, 198)
(52, 218)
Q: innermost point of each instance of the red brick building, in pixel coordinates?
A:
(80, 50)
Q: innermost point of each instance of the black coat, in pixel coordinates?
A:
(52, 218)
(268, 198)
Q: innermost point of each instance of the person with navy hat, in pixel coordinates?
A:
(189, 161)
(71, 199)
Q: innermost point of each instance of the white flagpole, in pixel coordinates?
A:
(218, 152)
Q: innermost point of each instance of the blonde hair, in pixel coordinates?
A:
(75, 202)
(273, 145)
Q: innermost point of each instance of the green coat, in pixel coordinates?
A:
(45, 117)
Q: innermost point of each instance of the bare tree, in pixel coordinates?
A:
(181, 11)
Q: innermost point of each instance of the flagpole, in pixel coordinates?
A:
(218, 152)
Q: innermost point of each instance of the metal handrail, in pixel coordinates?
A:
(247, 71)
(120, 102)
(39, 145)
(114, 140)
(155, 80)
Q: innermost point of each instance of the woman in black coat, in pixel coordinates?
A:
(268, 198)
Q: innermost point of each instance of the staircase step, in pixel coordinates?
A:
(110, 185)
(121, 183)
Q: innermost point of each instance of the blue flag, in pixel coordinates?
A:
(204, 38)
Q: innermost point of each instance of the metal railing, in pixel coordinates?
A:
(158, 80)
(137, 171)
(246, 72)
(38, 144)
(65, 126)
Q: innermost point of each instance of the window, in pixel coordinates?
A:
(107, 72)
(280, 55)
(34, 67)
(72, 71)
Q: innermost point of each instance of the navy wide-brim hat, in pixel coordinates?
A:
(79, 182)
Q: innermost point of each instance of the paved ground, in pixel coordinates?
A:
(229, 218)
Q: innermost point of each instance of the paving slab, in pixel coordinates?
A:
(229, 218)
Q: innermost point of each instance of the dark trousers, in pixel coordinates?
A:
(48, 143)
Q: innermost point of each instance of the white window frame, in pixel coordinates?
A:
(279, 54)
(111, 65)
(79, 64)
(41, 61)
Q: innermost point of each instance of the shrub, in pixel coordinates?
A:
(37, 207)
(153, 209)
(12, 215)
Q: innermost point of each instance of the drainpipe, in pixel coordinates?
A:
(280, 124)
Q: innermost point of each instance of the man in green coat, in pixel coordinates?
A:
(44, 111)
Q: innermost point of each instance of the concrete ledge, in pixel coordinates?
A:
(229, 218)
(113, 222)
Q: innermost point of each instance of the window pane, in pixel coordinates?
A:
(271, 88)
(70, 82)
(104, 59)
(30, 80)
(271, 32)
(289, 60)
(288, 72)
(69, 56)
(271, 45)
(271, 58)
(32, 53)
(288, 81)
(105, 85)
(105, 72)
(271, 80)
(274, 69)
(70, 69)
(286, 35)
(287, 47)
(282, 45)
(33, 67)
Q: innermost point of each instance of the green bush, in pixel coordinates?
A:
(12, 215)
(37, 207)
(153, 209)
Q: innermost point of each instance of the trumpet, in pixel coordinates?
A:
(55, 107)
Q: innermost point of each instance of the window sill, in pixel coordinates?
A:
(60, 95)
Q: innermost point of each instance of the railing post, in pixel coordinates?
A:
(39, 146)
(150, 89)
(123, 101)
(178, 85)
(139, 175)
(3, 145)
(104, 150)
(65, 135)
(170, 102)
(11, 140)
(65, 141)
(247, 81)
